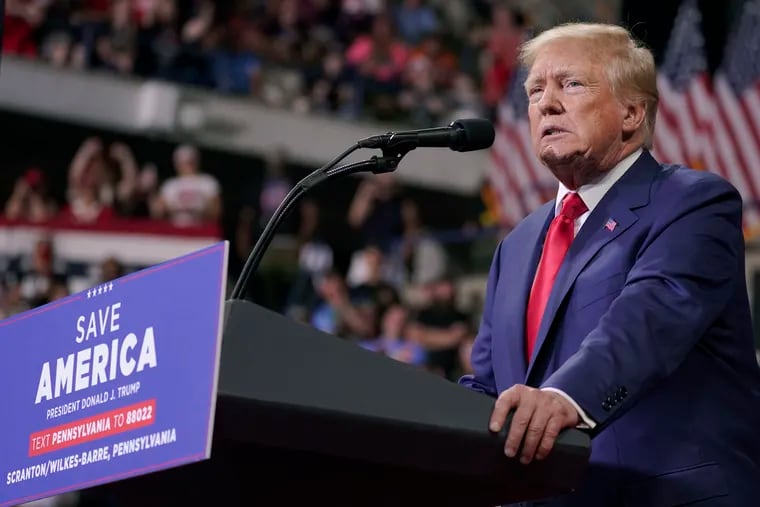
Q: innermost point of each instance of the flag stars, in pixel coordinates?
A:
(100, 289)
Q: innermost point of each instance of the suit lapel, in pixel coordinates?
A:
(520, 267)
(611, 217)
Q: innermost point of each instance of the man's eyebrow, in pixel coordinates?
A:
(564, 74)
(559, 75)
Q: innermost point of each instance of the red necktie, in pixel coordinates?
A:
(558, 238)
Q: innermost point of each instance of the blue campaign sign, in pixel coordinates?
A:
(113, 382)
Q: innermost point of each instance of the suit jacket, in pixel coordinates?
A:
(648, 329)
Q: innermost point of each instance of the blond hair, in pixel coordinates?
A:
(630, 68)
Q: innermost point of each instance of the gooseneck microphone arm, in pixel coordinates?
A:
(460, 135)
(386, 163)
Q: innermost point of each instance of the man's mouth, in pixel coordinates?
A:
(550, 131)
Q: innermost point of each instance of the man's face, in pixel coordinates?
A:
(185, 164)
(574, 116)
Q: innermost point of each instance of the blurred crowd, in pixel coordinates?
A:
(104, 184)
(397, 295)
(419, 61)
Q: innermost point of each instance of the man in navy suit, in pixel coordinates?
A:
(621, 306)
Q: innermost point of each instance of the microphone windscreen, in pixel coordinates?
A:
(474, 134)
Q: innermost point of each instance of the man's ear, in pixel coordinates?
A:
(634, 116)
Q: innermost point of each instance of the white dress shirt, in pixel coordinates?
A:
(592, 194)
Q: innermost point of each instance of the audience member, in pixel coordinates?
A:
(315, 259)
(392, 340)
(421, 255)
(415, 20)
(30, 200)
(340, 314)
(191, 197)
(378, 60)
(375, 211)
(440, 328)
(110, 269)
(40, 278)
(101, 182)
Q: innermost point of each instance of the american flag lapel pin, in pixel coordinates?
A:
(610, 225)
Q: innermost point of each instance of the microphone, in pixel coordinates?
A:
(461, 135)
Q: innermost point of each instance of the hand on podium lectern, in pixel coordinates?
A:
(539, 417)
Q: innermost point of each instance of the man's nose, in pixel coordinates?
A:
(550, 102)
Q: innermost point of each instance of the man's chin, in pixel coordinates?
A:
(573, 168)
(553, 157)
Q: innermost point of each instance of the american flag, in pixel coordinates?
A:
(737, 92)
(684, 85)
(703, 123)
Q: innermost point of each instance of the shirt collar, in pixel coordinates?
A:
(593, 193)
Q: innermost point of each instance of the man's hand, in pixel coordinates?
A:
(539, 416)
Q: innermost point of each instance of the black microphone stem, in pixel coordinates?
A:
(386, 163)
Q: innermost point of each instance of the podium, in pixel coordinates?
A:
(303, 417)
